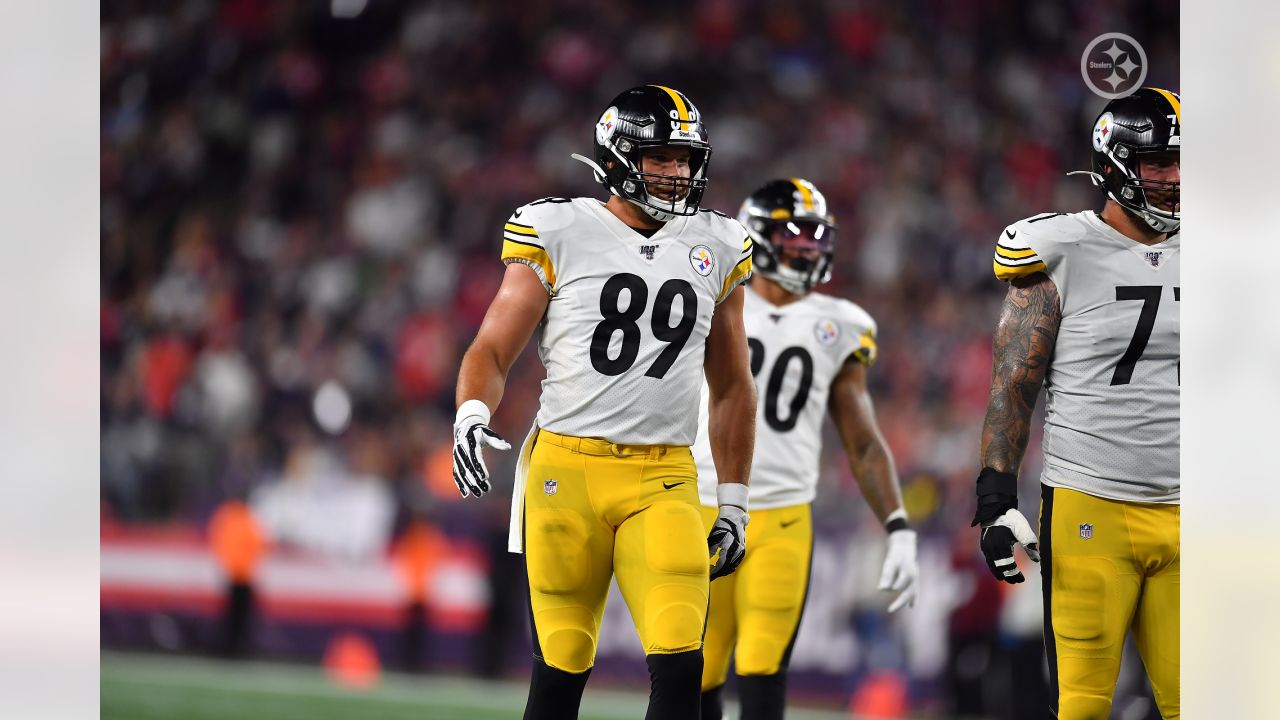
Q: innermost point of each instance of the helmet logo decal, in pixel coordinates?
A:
(701, 260)
(1102, 131)
(607, 126)
(826, 331)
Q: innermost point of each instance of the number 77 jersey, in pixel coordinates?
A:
(1113, 398)
(624, 335)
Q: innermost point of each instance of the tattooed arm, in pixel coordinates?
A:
(1022, 349)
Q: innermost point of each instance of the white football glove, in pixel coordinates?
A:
(471, 432)
(729, 533)
(998, 539)
(901, 573)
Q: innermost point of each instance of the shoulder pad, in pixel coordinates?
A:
(544, 215)
(1016, 253)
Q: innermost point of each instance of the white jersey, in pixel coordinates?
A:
(624, 335)
(1111, 428)
(797, 350)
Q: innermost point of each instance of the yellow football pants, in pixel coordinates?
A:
(758, 607)
(594, 509)
(1108, 566)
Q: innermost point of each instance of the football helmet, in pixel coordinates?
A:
(645, 117)
(800, 257)
(1145, 122)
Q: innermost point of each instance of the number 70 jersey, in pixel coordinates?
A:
(624, 335)
(797, 350)
(1113, 398)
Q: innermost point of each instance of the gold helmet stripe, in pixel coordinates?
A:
(1173, 100)
(682, 111)
(806, 195)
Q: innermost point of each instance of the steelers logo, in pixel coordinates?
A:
(701, 260)
(607, 126)
(826, 331)
(1102, 131)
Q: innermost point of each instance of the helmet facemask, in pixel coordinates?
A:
(1125, 185)
(631, 183)
(796, 253)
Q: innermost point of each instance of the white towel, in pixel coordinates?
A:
(515, 538)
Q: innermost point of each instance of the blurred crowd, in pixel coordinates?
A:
(302, 202)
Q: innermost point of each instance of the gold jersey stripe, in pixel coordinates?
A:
(1006, 272)
(520, 229)
(739, 273)
(867, 350)
(681, 110)
(1173, 101)
(806, 195)
(1014, 254)
(525, 252)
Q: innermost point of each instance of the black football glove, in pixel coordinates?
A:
(1002, 525)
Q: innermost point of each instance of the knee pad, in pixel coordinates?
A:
(1084, 707)
(674, 617)
(760, 656)
(565, 638)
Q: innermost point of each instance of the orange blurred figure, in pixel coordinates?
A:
(352, 661)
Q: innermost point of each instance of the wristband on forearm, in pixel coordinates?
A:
(896, 521)
(732, 493)
(997, 492)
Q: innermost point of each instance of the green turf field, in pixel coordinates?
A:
(154, 687)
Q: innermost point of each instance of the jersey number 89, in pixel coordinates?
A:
(617, 319)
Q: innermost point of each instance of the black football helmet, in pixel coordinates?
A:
(799, 210)
(645, 117)
(1145, 122)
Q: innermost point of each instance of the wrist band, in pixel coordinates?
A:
(897, 520)
(732, 493)
(472, 408)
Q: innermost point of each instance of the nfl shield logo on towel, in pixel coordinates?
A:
(549, 487)
(1086, 530)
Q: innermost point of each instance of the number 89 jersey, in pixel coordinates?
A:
(1112, 408)
(797, 350)
(625, 331)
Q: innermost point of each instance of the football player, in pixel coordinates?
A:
(636, 299)
(1092, 314)
(810, 354)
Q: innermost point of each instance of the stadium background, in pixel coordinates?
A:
(300, 213)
